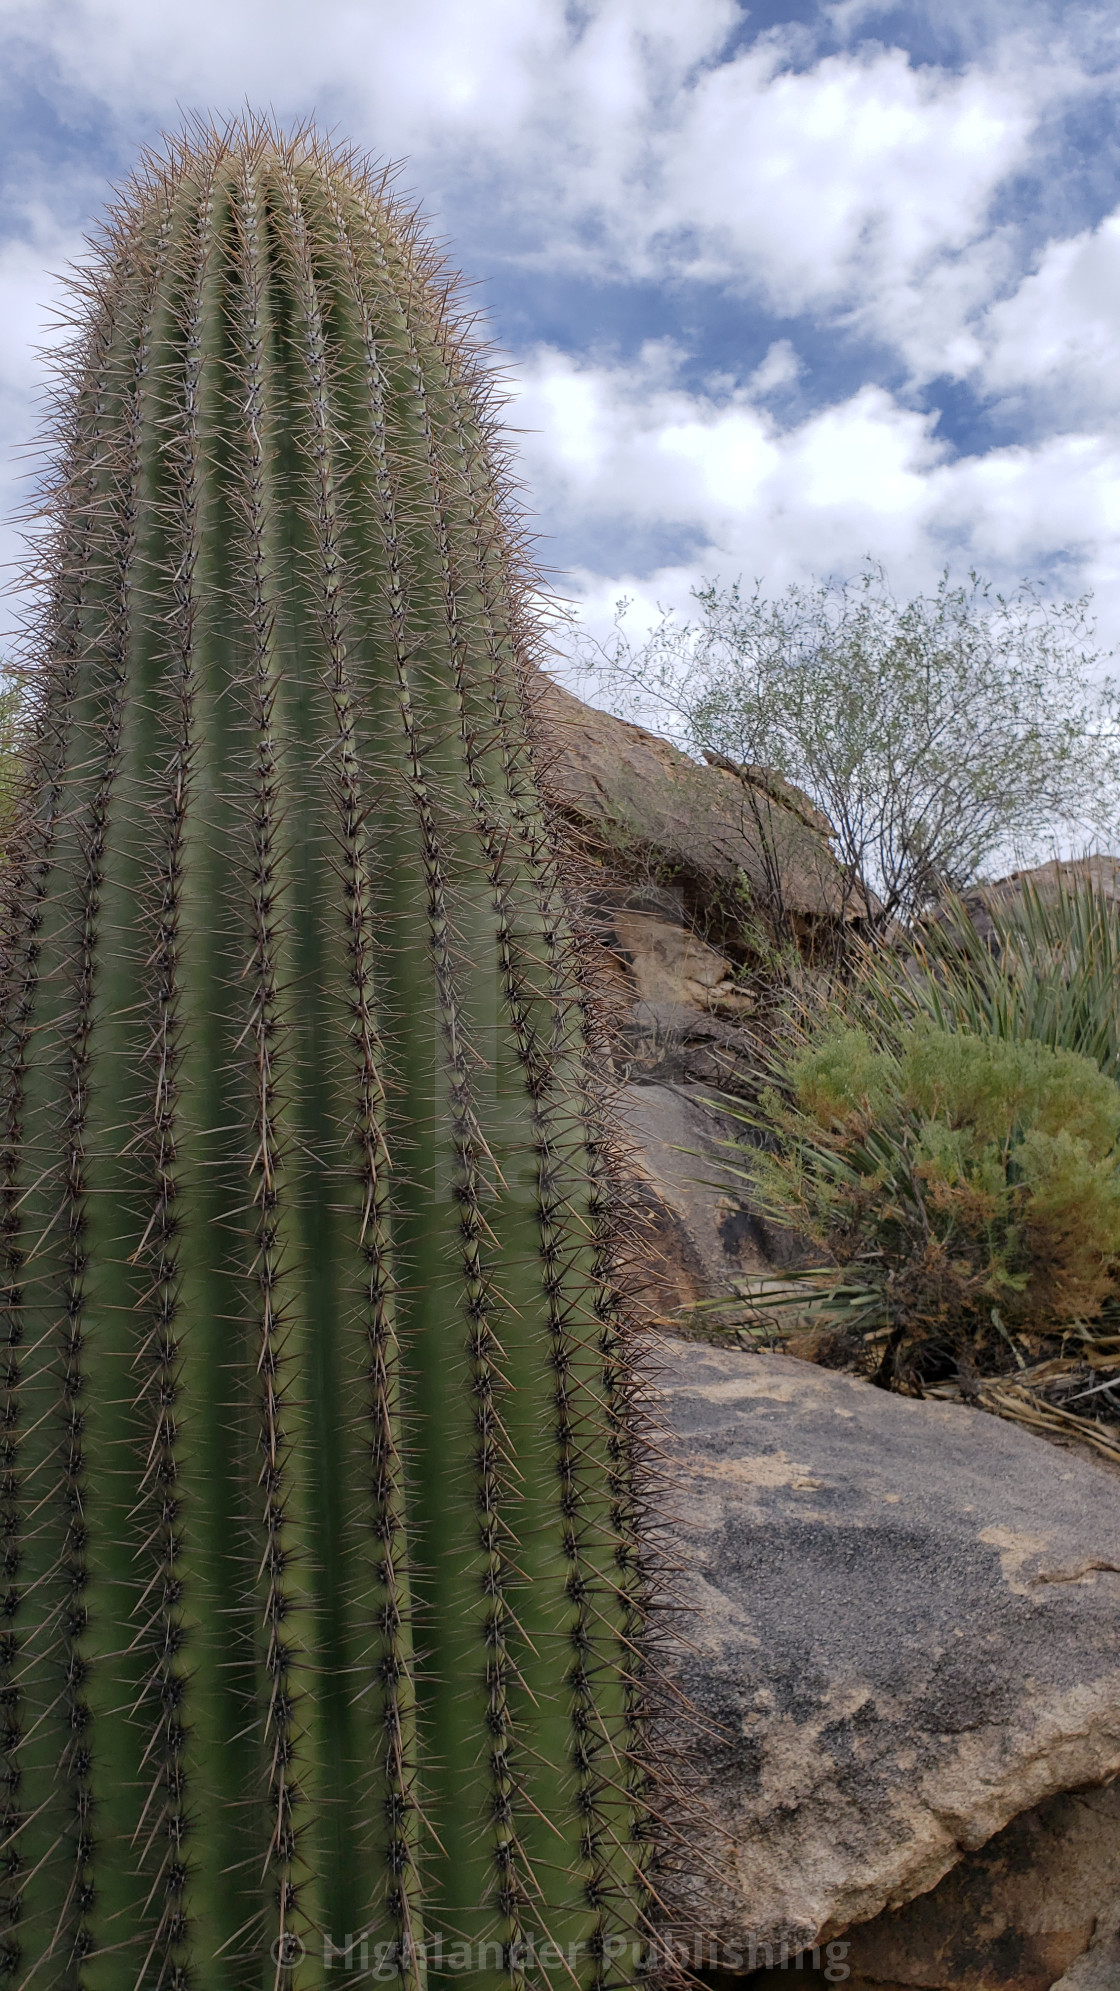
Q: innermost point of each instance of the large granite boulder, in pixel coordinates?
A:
(1035, 1908)
(993, 898)
(714, 829)
(899, 1632)
(1061, 874)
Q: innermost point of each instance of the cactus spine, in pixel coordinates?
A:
(323, 1598)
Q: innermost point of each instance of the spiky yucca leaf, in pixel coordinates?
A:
(318, 1442)
(1050, 973)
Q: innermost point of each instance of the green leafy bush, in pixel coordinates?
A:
(965, 1188)
(937, 735)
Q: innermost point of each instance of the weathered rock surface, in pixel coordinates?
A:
(665, 846)
(1099, 1968)
(901, 1630)
(1047, 880)
(672, 971)
(679, 1041)
(695, 1237)
(682, 1007)
(985, 901)
(708, 826)
(1040, 1900)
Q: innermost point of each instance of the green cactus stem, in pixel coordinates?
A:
(322, 1615)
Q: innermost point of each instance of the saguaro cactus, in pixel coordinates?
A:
(318, 1643)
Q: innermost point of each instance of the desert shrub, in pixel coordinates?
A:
(965, 1189)
(1050, 971)
(938, 735)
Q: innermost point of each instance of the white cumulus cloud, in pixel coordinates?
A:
(615, 452)
(812, 191)
(1059, 333)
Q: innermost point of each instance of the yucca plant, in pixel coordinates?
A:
(1042, 964)
(321, 1640)
(1050, 972)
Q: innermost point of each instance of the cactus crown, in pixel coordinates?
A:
(320, 1639)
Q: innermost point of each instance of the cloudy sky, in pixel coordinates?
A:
(779, 286)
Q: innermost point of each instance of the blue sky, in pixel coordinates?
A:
(778, 287)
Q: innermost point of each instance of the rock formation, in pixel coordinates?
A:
(1101, 870)
(900, 1638)
(899, 1641)
(685, 872)
(710, 830)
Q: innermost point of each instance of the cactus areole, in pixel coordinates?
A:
(322, 1595)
